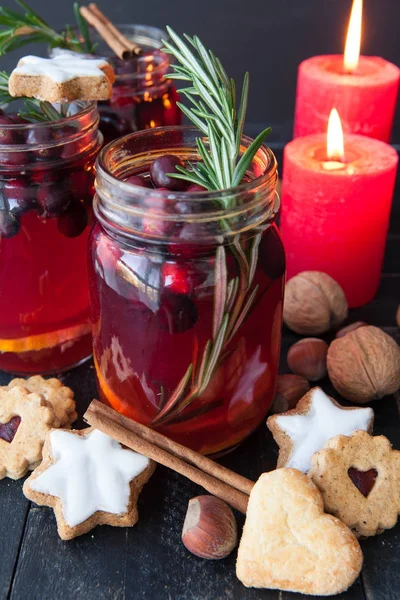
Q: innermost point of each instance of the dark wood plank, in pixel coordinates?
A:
(13, 513)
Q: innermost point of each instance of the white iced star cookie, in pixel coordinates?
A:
(88, 479)
(306, 429)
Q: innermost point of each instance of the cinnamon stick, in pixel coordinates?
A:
(113, 426)
(191, 456)
(121, 45)
(132, 46)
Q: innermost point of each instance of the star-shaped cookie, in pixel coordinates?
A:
(88, 479)
(306, 429)
(58, 395)
(25, 420)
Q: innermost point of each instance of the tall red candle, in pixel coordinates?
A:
(335, 213)
(363, 89)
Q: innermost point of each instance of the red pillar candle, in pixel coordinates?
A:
(335, 213)
(363, 88)
(366, 99)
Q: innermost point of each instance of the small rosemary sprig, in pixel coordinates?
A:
(21, 28)
(35, 110)
(214, 110)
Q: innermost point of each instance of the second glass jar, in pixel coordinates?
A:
(187, 294)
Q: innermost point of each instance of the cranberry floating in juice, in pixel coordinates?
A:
(187, 275)
(47, 157)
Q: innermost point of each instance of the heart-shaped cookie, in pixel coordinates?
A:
(290, 544)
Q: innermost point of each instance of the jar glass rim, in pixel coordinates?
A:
(269, 175)
(87, 108)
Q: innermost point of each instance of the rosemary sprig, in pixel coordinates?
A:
(214, 111)
(21, 28)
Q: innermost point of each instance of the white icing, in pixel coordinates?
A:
(310, 432)
(89, 473)
(61, 68)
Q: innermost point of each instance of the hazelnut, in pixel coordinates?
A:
(308, 358)
(314, 303)
(209, 530)
(289, 390)
(352, 327)
(364, 364)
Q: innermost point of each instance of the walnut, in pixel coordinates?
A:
(364, 365)
(314, 303)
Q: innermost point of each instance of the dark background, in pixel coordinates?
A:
(267, 37)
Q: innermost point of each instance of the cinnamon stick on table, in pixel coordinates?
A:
(217, 480)
(122, 46)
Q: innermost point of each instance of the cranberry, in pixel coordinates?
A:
(176, 277)
(73, 222)
(163, 165)
(8, 430)
(53, 200)
(7, 136)
(271, 254)
(20, 196)
(9, 224)
(139, 181)
(195, 187)
(43, 135)
(13, 158)
(178, 313)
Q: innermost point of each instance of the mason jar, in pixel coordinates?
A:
(143, 98)
(46, 191)
(186, 294)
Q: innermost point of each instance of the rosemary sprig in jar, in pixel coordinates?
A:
(214, 110)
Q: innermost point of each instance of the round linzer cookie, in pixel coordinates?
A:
(58, 395)
(306, 429)
(25, 420)
(88, 479)
(359, 479)
(62, 78)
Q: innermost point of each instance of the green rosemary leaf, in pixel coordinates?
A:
(206, 59)
(231, 293)
(226, 167)
(203, 364)
(220, 288)
(83, 28)
(215, 352)
(49, 110)
(248, 156)
(215, 155)
(242, 111)
(204, 115)
(233, 96)
(13, 43)
(243, 313)
(179, 77)
(174, 399)
(31, 14)
(198, 122)
(253, 257)
(190, 60)
(241, 257)
(204, 154)
(209, 100)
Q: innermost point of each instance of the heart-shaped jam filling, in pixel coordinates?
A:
(363, 480)
(8, 430)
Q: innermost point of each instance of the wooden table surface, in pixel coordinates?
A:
(149, 561)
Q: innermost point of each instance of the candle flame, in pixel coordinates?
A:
(353, 41)
(335, 141)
